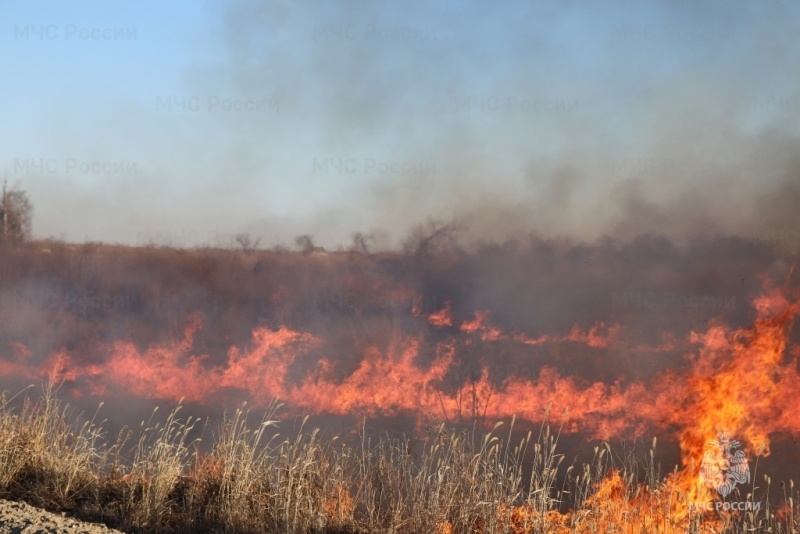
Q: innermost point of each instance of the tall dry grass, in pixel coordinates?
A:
(256, 478)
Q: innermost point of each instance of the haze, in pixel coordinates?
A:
(189, 123)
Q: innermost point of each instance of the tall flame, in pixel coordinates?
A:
(742, 382)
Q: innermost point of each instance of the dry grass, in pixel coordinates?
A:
(256, 479)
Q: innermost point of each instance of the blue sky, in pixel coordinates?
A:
(190, 122)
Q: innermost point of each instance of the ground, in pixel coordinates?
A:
(21, 518)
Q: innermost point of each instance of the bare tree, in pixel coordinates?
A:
(433, 237)
(306, 244)
(362, 243)
(16, 213)
(247, 242)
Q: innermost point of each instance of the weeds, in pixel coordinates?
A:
(256, 479)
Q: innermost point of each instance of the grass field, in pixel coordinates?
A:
(252, 478)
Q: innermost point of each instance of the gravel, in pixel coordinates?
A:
(21, 518)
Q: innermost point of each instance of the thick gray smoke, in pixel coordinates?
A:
(577, 119)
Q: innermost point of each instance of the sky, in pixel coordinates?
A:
(186, 124)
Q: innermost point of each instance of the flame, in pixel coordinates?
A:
(479, 326)
(737, 380)
(441, 318)
(339, 504)
(739, 385)
(741, 382)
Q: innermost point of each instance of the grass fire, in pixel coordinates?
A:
(383, 267)
(358, 392)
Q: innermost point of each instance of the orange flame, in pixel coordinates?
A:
(741, 381)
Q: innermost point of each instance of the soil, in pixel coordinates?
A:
(21, 518)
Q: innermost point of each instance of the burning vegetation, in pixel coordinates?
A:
(505, 388)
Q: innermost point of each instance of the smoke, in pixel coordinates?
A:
(559, 119)
(584, 184)
(512, 142)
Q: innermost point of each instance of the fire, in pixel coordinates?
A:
(740, 385)
(479, 326)
(339, 504)
(737, 380)
(389, 381)
(740, 382)
(442, 317)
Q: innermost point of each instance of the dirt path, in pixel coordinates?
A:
(21, 518)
